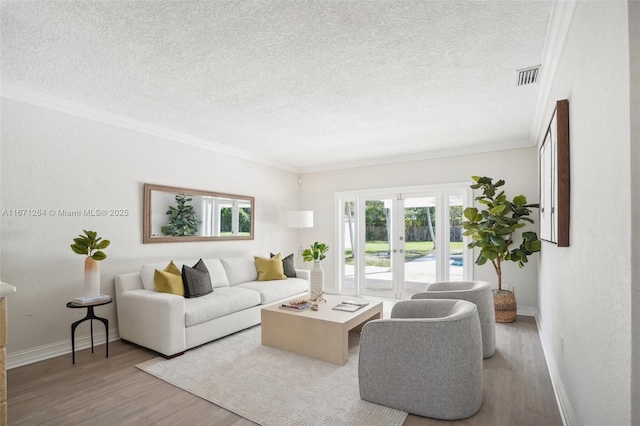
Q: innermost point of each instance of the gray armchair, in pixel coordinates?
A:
(477, 292)
(426, 359)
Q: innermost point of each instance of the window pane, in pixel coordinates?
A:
(456, 248)
(348, 272)
(377, 270)
(420, 237)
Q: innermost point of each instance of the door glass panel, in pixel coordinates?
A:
(349, 240)
(378, 278)
(420, 254)
(456, 248)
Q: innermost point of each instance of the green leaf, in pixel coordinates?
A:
(504, 231)
(99, 255)
(82, 242)
(470, 213)
(498, 241)
(79, 249)
(103, 244)
(520, 200)
(490, 253)
(497, 209)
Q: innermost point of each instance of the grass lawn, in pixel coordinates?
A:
(377, 252)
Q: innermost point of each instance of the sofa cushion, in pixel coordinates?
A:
(270, 269)
(217, 273)
(270, 291)
(169, 280)
(197, 281)
(223, 301)
(240, 269)
(289, 266)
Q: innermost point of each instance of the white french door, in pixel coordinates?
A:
(393, 244)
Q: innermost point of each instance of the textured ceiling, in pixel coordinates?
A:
(308, 85)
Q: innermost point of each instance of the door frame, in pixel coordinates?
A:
(443, 193)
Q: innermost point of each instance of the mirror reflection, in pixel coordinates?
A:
(174, 214)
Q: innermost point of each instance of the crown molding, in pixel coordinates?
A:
(427, 155)
(28, 96)
(45, 101)
(559, 24)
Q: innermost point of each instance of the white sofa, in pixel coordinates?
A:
(171, 324)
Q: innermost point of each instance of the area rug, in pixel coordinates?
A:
(273, 387)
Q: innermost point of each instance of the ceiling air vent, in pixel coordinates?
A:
(527, 75)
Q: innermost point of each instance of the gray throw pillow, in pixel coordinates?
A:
(289, 266)
(197, 281)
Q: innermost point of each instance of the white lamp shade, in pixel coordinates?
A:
(300, 219)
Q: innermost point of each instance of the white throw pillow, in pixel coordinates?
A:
(240, 269)
(217, 273)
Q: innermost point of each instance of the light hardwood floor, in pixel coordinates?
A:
(112, 391)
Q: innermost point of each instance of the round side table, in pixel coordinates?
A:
(90, 316)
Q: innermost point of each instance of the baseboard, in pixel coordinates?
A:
(53, 350)
(526, 311)
(561, 395)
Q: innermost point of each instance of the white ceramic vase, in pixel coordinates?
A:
(317, 278)
(91, 277)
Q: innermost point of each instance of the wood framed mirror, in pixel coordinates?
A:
(555, 178)
(173, 214)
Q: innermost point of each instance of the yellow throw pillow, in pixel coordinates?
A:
(169, 280)
(270, 269)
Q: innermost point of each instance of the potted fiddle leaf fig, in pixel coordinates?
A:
(496, 232)
(91, 246)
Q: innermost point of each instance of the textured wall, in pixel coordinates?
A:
(634, 51)
(51, 160)
(585, 289)
(518, 167)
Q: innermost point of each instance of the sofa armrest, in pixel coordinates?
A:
(151, 319)
(305, 274)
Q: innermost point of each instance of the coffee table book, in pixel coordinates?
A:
(296, 307)
(85, 301)
(350, 306)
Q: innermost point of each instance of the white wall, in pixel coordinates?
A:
(518, 167)
(52, 160)
(585, 289)
(634, 53)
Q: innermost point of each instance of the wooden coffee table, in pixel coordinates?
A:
(321, 334)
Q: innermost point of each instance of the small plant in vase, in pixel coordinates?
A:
(315, 254)
(494, 230)
(91, 246)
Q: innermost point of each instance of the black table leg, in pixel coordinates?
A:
(90, 316)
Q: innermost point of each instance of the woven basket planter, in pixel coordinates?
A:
(505, 305)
